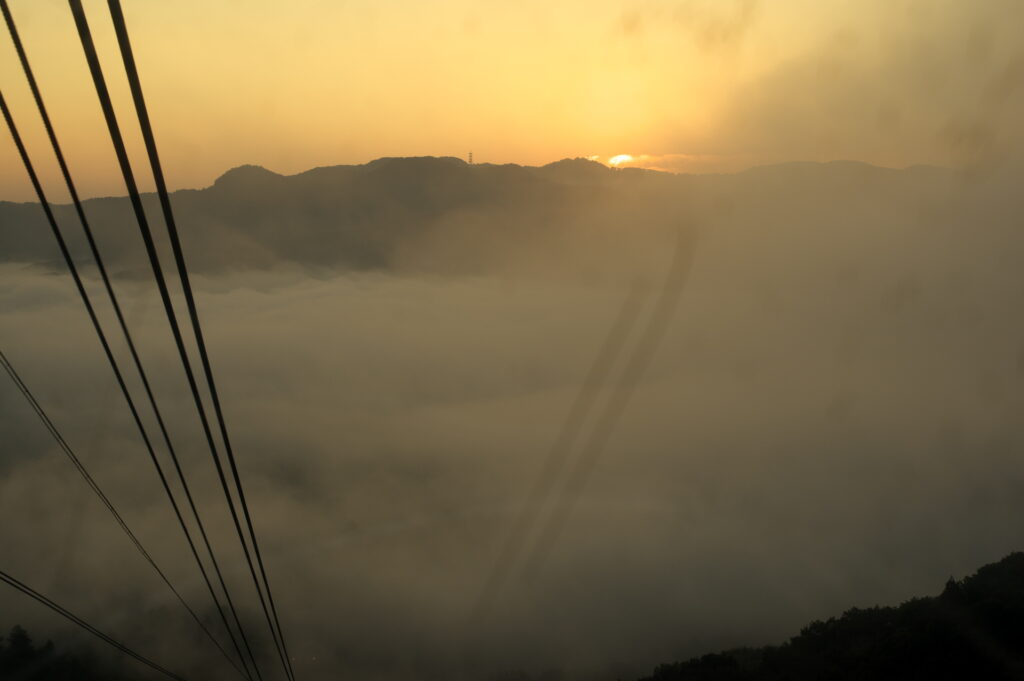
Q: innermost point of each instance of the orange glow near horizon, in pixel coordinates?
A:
(689, 85)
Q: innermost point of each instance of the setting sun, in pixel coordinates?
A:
(621, 158)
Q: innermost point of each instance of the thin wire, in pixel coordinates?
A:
(636, 366)
(64, 612)
(99, 81)
(83, 471)
(45, 204)
(120, 28)
(44, 114)
(557, 456)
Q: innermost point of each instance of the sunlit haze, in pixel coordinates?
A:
(689, 86)
(522, 340)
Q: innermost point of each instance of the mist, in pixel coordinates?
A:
(512, 421)
(831, 416)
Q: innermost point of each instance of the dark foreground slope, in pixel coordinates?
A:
(22, 660)
(973, 630)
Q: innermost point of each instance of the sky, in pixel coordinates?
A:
(681, 85)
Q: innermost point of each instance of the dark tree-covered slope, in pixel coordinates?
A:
(22, 660)
(973, 630)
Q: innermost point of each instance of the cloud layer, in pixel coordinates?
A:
(832, 418)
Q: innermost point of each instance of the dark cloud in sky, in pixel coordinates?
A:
(711, 25)
(897, 82)
(832, 417)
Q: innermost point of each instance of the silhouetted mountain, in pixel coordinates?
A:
(577, 171)
(246, 178)
(441, 215)
(973, 630)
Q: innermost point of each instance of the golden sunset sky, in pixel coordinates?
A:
(681, 85)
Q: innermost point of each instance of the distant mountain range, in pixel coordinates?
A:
(441, 215)
(973, 630)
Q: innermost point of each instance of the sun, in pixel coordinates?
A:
(621, 158)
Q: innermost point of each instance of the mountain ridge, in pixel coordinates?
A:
(252, 172)
(441, 215)
(974, 629)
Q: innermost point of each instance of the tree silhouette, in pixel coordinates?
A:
(21, 660)
(973, 630)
